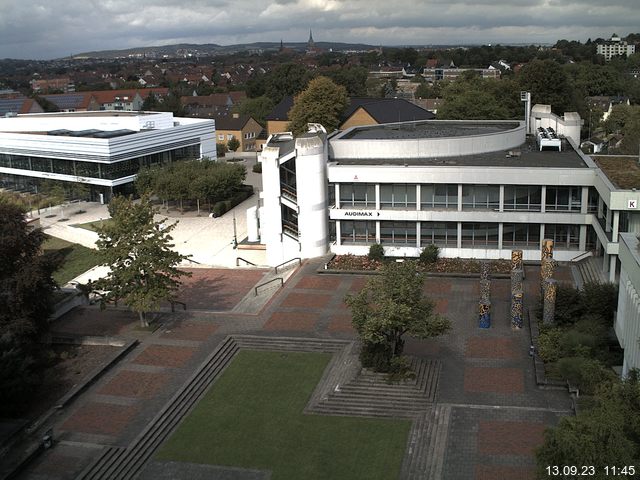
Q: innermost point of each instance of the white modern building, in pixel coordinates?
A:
(627, 321)
(614, 47)
(103, 149)
(477, 189)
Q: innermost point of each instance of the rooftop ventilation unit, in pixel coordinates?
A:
(547, 138)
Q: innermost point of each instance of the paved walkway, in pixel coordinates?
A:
(208, 241)
(495, 414)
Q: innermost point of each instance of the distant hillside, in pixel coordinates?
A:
(183, 49)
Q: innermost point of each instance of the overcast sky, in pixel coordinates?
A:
(41, 29)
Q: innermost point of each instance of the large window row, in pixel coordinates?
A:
(445, 234)
(526, 198)
(108, 171)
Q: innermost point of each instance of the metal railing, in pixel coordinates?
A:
(298, 259)
(582, 256)
(267, 283)
(245, 261)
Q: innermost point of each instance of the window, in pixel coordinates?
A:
(439, 196)
(289, 221)
(221, 137)
(441, 234)
(592, 202)
(398, 233)
(357, 195)
(523, 197)
(398, 196)
(565, 237)
(229, 136)
(480, 197)
(521, 235)
(480, 235)
(357, 232)
(567, 199)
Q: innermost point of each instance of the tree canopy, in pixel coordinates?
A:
(388, 307)
(549, 85)
(606, 434)
(192, 180)
(138, 250)
(26, 298)
(322, 102)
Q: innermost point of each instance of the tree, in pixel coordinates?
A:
(221, 150)
(138, 251)
(26, 298)
(286, 79)
(233, 144)
(392, 305)
(549, 85)
(257, 108)
(322, 102)
(606, 434)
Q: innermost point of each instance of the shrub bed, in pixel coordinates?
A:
(441, 265)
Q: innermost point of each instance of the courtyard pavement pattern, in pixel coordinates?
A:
(498, 414)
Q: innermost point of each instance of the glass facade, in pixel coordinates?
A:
(398, 233)
(563, 199)
(357, 195)
(523, 198)
(483, 235)
(565, 237)
(480, 197)
(398, 196)
(439, 196)
(357, 232)
(521, 235)
(442, 234)
(102, 170)
(288, 184)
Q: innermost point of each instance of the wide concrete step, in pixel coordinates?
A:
(354, 411)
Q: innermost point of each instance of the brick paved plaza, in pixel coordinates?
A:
(498, 414)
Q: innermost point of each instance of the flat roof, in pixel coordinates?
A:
(622, 171)
(89, 113)
(526, 156)
(428, 129)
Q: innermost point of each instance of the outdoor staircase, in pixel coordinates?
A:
(117, 463)
(424, 459)
(590, 270)
(370, 394)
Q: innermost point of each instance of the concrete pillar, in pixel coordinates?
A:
(378, 201)
(337, 194)
(605, 261)
(417, 234)
(501, 207)
(583, 238)
(418, 197)
(615, 226)
(600, 206)
(459, 242)
(338, 233)
(546, 273)
(612, 268)
(459, 197)
(584, 203)
(378, 231)
(541, 234)
(500, 234)
(607, 223)
(543, 201)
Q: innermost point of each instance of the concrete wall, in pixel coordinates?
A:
(627, 322)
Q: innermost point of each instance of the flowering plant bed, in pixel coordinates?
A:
(442, 265)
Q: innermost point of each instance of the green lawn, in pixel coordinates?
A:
(252, 418)
(92, 225)
(77, 259)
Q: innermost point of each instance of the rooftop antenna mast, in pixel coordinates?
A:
(526, 98)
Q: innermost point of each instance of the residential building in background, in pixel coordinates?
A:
(614, 47)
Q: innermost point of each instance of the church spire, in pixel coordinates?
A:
(310, 43)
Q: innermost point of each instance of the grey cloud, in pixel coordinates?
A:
(39, 29)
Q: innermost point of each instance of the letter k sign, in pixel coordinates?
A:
(632, 204)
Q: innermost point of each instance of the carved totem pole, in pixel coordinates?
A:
(484, 306)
